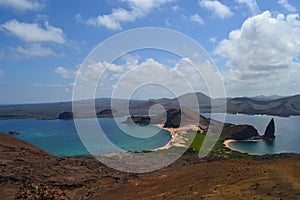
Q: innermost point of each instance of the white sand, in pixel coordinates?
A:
(227, 144)
(177, 139)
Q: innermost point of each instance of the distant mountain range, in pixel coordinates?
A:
(270, 105)
(285, 107)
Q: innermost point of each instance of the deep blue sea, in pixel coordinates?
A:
(287, 131)
(60, 137)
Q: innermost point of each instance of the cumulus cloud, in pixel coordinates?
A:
(251, 4)
(22, 5)
(32, 32)
(64, 73)
(33, 50)
(263, 52)
(196, 18)
(286, 5)
(1, 72)
(213, 39)
(114, 20)
(220, 10)
(123, 79)
(175, 8)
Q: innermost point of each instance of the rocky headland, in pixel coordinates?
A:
(176, 118)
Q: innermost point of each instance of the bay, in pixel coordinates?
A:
(287, 133)
(60, 137)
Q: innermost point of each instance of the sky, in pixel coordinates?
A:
(255, 44)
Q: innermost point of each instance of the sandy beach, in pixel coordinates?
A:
(178, 139)
(227, 144)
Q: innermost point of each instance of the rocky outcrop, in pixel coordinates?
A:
(173, 118)
(140, 120)
(180, 117)
(13, 132)
(66, 116)
(239, 132)
(106, 113)
(270, 130)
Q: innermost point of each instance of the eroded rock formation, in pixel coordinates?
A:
(270, 130)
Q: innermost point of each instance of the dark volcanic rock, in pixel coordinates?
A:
(270, 130)
(239, 132)
(173, 118)
(181, 117)
(107, 113)
(140, 120)
(66, 115)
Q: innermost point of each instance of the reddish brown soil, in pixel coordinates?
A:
(29, 173)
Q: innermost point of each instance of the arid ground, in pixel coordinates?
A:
(29, 173)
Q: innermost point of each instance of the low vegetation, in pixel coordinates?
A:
(218, 150)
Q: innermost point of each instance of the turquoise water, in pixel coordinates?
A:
(60, 137)
(286, 130)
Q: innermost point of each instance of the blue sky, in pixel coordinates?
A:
(255, 44)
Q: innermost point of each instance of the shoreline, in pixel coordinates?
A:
(177, 134)
(227, 144)
(230, 141)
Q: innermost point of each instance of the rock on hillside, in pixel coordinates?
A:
(239, 132)
(175, 116)
(107, 113)
(66, 115)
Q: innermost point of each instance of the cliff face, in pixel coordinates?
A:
(239, 132)
(140, 120)
(180, 117)
(173, 118)
(270, 130)
(66, 115)
(107, 113)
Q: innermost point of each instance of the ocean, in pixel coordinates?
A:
(287, 133)
(60, 137)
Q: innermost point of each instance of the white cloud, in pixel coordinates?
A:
(175, 8)
(33, 50)
(285, 4)
(251, 4)
(213, 39)
(65, 73)
(32, 32)
(113, 21)
(196, 18)
(123, 79)
(262, 54)
(1, 72)
(22, 5)
(220, 10)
